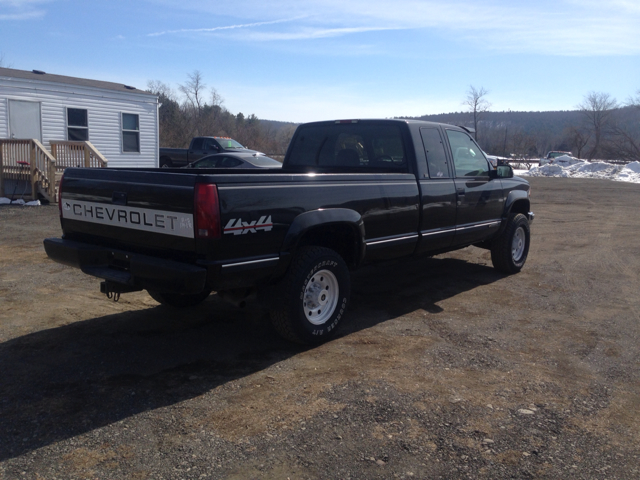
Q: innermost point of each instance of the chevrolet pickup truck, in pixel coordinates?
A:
(350, 192)
(198, 148)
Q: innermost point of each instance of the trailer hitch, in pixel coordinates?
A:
(113, 289)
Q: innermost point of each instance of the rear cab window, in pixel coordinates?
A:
(350, 146)
(434, 149)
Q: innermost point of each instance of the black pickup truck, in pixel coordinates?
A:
(349, 193)
(198, 148)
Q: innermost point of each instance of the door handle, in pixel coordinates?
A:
(460, 192)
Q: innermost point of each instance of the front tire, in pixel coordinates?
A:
(179, 300)
(314, 296)
(509, 251)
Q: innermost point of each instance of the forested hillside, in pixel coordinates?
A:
(600, 128)
(532, 134)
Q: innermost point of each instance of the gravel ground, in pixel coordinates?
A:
(444, 369)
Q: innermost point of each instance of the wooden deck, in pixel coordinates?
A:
(28, 162)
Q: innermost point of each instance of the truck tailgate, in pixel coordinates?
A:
(130, 209)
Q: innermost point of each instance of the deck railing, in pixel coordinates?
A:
(76, 154)
(28, 161)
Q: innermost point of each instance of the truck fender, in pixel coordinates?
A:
(514, 197)
(315, 218)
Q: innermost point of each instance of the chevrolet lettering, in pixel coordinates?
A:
(349, 193)
(168, 223)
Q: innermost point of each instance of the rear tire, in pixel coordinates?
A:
(314, 296)
(178, 300)
(509, 251)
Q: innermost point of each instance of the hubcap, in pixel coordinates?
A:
(518, 244)
(320, 297)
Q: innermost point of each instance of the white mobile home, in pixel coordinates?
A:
(119, 120)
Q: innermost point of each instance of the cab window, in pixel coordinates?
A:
(210, 144)
(468, 159)
(434, 149)
(349, 146)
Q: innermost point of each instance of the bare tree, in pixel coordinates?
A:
(597, 109)
(477, 105)
(579, 139)
(193, 89)
(161, 89)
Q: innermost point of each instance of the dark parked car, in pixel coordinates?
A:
(240, 160)
(199, 148)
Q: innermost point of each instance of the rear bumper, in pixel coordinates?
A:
(131, 269)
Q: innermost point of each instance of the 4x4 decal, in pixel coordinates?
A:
(238, 227)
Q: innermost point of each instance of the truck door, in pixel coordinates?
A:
(438, 194)
(197, 150)
(480, 199)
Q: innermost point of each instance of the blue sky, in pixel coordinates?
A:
(298, 61)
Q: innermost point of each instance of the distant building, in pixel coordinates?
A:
(119, 120)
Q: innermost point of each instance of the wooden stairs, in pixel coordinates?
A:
(30, 171)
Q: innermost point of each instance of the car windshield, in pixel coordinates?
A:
(228, 143)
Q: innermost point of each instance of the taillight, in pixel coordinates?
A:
(207, 211)
(60, 195)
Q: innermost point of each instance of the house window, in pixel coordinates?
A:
(77, 124)
(130, 133)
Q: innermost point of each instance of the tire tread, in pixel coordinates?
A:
(281, 317)
(501, 246)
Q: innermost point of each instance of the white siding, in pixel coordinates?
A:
(4, 118)
(104, 109)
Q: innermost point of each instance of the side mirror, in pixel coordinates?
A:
(504, 171)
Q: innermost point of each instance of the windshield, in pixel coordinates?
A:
(228, 143)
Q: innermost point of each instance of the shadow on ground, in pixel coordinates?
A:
(65, 381)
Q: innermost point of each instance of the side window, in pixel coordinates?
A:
(436, 157)
(229, 162)
(77, 124)
(467, 156)
(130, 132)
(196, 144)
(210, 144)
(207, 162)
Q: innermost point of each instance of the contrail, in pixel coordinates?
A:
(228, 27)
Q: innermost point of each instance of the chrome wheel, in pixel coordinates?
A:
(320, 297)
(517, 244)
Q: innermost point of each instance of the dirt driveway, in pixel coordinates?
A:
(445, 368)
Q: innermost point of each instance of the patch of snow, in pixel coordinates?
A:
(569, 167)
(7, 201)
(566, 160)
(633, 166)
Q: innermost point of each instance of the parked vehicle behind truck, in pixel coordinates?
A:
(201, 147)
(349, 193)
